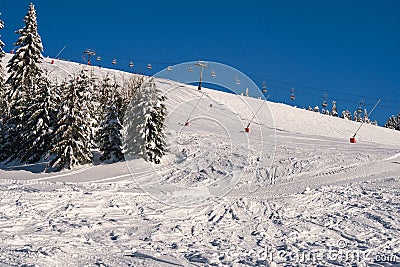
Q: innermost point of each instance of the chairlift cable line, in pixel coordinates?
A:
(318, 89)
(259, 78)
(288, 83)
(317, 96)
(338, 99)
(271, 80)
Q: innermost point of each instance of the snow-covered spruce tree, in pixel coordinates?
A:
(1, 60)
(355, 116)
(121, 103)
(2, 102)
(72, 137)
(334, 109)
(346, 115)
(126, 92)
(109, 90)
(393, 122)
(366, 118)
(110, 136)
(25, 72)
(105, 96)
(42, 108)
(121, 96)
(358, 115)
(24, 68)
(90, 90)
(144, 124)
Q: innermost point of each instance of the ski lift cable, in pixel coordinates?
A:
(273, 86)
(317, 89)
(377, 103)
(282, 82)
(136, 59)
(344, 100)
(195, 106)
(255, 114)
(337, 99)
(262, 79)
(272, 80)
(324, 90)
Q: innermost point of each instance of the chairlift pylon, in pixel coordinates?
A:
(88, 52)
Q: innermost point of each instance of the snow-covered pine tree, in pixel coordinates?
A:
(144, 124)
(121, 103)
(25, 72)
(122, 95)
(72, 137)
(393, 122)
(160, 114)
(1, 60)
(110, 136)
(366, 118)
(24, 65)
(94, 99)
(334, 109)
(358, 115)
(346, 115)
(36, 139)
(86, 86)
(109, 91)
(355, 117)
(2, 102)
(105, 96)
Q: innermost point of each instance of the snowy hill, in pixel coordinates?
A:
(293, 191)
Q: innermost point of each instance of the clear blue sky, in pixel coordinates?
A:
(350, 47)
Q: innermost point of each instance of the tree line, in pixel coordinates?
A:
(359, 115)
(63, 123)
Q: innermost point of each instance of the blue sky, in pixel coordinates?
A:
(346, 49)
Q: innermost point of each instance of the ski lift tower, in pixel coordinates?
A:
(89, 52)
(202, 65)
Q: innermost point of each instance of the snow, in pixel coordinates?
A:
(291, 192)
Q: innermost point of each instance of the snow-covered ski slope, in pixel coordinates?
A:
(292, 192)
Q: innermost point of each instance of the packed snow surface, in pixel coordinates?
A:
(291, 192)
